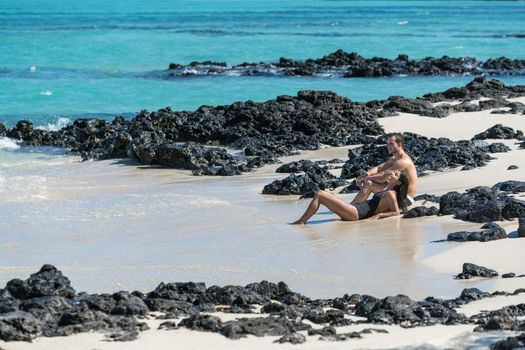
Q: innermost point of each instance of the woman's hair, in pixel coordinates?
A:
(402, 191)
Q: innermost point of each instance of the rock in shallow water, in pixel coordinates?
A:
(491, 231)
(472, 270)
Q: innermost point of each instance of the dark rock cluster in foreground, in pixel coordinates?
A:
(229, 140)
(351, 65)
(46, 304)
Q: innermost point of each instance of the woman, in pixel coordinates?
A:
(384, 204)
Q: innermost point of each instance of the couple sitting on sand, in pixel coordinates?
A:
(393, 184)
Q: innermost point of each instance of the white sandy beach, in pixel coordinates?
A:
(111, 226)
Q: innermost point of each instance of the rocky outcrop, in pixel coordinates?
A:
(257, 133)
(506, 318)
(499, 131)
(490, 232)
(510, 187)
(517, 342)
(350, 65)
(420, 211)
(472, 270)
(306, 184)
(229, 140)
(476, 89)
(46, 304)
(482, 204)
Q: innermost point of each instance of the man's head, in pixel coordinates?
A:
(395, 143)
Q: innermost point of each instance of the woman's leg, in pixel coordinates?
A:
(337, 205)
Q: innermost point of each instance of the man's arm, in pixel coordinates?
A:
(381, 177)
(373, 171)
(380, 168)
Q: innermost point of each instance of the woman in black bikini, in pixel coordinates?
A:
(387, 203)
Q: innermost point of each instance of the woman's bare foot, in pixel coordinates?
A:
(298, 222)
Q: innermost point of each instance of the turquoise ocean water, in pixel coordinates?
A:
(94, 57)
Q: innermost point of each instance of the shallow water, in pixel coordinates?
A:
(111, 225)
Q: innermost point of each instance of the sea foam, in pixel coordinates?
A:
(8, 144)
(60, 123)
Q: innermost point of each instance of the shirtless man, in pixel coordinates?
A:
(376, 179)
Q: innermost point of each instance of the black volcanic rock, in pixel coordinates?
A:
(259, 133)
(499, 131)
(472, 294)
(481, 204)
(303, 165)
(261, 326)
(199, 322)
(491, 231)
(420, 211)
(506, 318)
(293, 338)
(114, 314)
(344, 64)
(408, 313)
(427, 198)
(307, 184)
(46, 282)
(477, 88)
(46, 305)
(472, 270)
(19, 326)
(415, 106)
(517, 342)
(510, 186)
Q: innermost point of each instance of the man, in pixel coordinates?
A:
(376, 179)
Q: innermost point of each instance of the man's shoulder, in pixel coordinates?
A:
(404, 162)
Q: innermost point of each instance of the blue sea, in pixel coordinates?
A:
(60, 60)
(95, 57)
